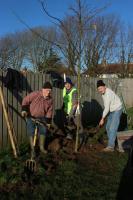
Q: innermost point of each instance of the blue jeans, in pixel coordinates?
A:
(112, 125)
(42, 130)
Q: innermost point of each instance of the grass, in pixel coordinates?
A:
(94, 176)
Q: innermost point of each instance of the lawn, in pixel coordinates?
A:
(92, 175)
(88, 175)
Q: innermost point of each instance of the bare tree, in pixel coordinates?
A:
(11, 54)
(100, 45)
(38, 49)
(73, 31)
(124, 49)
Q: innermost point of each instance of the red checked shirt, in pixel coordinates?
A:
(38, 106)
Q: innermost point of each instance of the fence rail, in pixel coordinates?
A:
(14, 90)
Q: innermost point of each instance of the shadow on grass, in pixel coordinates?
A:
(125, 191)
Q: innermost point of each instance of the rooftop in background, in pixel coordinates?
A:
(120, 69)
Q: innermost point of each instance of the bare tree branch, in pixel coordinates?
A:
(26, 25)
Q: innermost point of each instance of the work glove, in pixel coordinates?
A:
(69, 118)
(48, 122)
(48, 126)
(24, 114)
(72, 113)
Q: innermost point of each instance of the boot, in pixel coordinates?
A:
(42, 143)
(32, 147)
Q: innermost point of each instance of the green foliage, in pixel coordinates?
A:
(51, 62)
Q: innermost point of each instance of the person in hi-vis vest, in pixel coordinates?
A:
(70, 101)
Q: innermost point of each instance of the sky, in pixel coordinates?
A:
(31, 12)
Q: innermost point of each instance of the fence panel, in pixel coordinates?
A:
(90, 99)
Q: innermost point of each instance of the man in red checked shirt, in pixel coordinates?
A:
(38, 105)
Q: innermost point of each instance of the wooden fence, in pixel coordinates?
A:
(25, 83)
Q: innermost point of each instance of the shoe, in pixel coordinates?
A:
(108, 149)
(120, 150)
(44, 151)
(42, 144)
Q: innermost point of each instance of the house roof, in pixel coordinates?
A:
(112, 68)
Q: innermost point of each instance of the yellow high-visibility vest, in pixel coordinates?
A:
(67, 99)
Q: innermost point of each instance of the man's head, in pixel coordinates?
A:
(68, 83)
(47, 88)
(101, 87)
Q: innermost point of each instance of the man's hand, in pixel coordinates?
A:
(48, 122)
(24, 114)
(101, 123)
(69, 118)
(48, 126)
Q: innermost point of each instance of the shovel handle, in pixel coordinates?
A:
(35, 137)
(8, 124)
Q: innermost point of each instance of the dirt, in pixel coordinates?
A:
(60, 150)
(89, 163)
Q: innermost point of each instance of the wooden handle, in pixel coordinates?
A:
(35, 137)
(8, 124)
